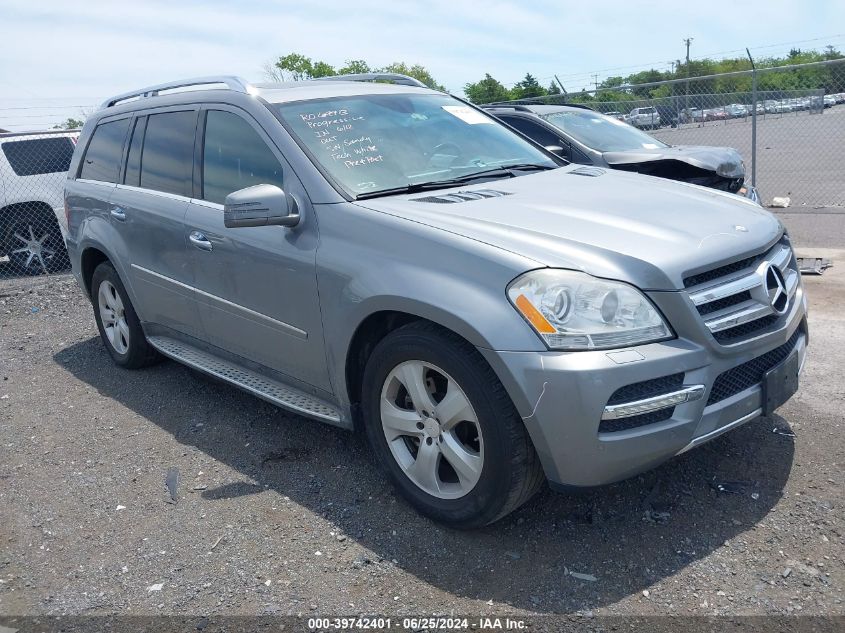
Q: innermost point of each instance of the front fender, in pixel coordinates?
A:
(370, 262)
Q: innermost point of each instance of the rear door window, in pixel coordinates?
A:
(235, 156)
(532, 130)
(167, 157)
(102, 158)
(32, 157)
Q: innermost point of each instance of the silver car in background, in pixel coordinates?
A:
(386, 257)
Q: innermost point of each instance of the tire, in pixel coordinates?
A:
(497, 467)
(35, 245)
(121, 331)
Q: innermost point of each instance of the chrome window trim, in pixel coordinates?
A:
(155, 192)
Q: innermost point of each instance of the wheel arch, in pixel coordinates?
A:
(375, 326)
(90, 258)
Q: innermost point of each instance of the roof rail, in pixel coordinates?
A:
(232, 83)
(402, 80)
(522, 104)
(504, 104)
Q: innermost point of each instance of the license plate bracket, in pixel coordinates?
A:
(780, 383)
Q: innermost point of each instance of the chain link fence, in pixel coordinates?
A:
(791, 139)
(33, 169)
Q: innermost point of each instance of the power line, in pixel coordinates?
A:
(584, 75)
(47, 107)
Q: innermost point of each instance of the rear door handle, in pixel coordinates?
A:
(200, 241)
(118, 214)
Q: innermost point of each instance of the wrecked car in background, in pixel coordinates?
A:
(582, 135)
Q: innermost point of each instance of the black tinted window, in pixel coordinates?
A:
(133, 158)
(102, 160)
(234, 157)
(534, 131)
(167, 158)
(39, 156)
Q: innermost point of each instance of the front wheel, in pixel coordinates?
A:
(445, 430)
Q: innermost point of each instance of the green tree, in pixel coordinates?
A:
(553, 89)
(528, 87)
(354, 67)
(487, 90)
(322, 69)
(69, 124)
(416, 71)
(295, 67)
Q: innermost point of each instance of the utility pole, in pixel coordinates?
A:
(687, 41)
(560, 84)
(596, 82)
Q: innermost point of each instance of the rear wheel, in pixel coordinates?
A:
(117, 321)
(445, 430)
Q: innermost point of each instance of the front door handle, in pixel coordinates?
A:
(118, 214)
(200, 241)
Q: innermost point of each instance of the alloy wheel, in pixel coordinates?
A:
(33, 254)
(113, 317)
(432, 429)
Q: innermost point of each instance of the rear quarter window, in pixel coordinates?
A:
(32, 157)
(102, 158)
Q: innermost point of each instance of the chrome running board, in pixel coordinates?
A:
(272, 391)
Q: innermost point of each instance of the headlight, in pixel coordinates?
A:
(574, 311)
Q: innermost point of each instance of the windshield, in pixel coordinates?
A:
(372, 143)
(602, 133)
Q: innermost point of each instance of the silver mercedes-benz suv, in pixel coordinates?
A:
(387, 257)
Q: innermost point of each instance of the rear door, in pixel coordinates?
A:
(148, 208)
(255, 286)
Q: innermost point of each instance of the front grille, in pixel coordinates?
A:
(741, 377)
(721, 304)
(741, 299)
(723, 271)
(740, 332)
(634, 421)
(647, 389)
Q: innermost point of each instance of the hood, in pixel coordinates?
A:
(647, 231)
(724, 161)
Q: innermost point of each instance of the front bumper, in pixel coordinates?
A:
(562, 398)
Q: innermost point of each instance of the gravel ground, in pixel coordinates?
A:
(276, 514)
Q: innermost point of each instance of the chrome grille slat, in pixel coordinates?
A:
(738, 317)
(714, 293)
(759, 283)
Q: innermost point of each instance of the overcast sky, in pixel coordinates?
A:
(61, 55)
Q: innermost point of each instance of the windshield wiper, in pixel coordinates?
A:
(506, 171)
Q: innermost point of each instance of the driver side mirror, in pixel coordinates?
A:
(260, 205)
(555, 149)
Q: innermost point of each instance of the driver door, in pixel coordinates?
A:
(255, 286)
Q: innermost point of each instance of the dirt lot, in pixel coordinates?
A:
(277, 514)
